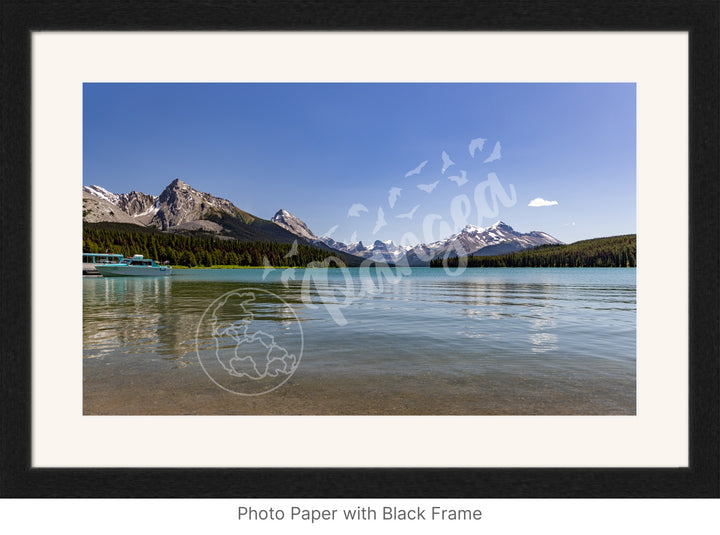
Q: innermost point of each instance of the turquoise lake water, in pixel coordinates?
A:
(485, 341)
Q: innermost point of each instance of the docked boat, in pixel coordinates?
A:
(137, 266)
(90, 260)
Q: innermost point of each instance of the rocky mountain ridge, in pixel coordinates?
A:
(497, 239)
(289, 222)
(181, 208)
(178, 207)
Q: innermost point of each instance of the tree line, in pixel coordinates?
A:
(195, 251)
(616, 251)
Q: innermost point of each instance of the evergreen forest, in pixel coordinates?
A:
(616, 251)
(196, 250)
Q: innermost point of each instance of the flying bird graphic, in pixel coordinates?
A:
(495, 154)
(393, 195)
(287, 274)
(428, 187)
(410, 214)
(355, 210)
(459, 180)
(476, 144)
(267, 267)
(417, 170)
(330, 232)
(293, 250)
(380, 223)
(447, 162)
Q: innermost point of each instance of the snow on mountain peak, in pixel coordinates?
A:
(280, 215)
(472, 228)
(291, 223)
(101, 192)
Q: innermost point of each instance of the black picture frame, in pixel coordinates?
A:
(700, 18)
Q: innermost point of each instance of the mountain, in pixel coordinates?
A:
(178, 207)
(614, 251)
(499, 238)
(289, 222)
(181, 208)
(100, 205)
(379, 251)
(179, 204)
(139, 205)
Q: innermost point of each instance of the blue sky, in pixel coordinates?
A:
(318, 149)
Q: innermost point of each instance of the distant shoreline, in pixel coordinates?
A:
(411, 267)
(238, 267)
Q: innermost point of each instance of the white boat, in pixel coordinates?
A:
(137, 266)
(90, 260)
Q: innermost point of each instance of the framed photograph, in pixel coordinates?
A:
(345, 263)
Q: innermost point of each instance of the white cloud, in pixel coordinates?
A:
(539, 201)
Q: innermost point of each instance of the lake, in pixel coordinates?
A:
(511, 341)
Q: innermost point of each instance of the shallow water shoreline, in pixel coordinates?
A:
(312, 394)
(512, 342)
